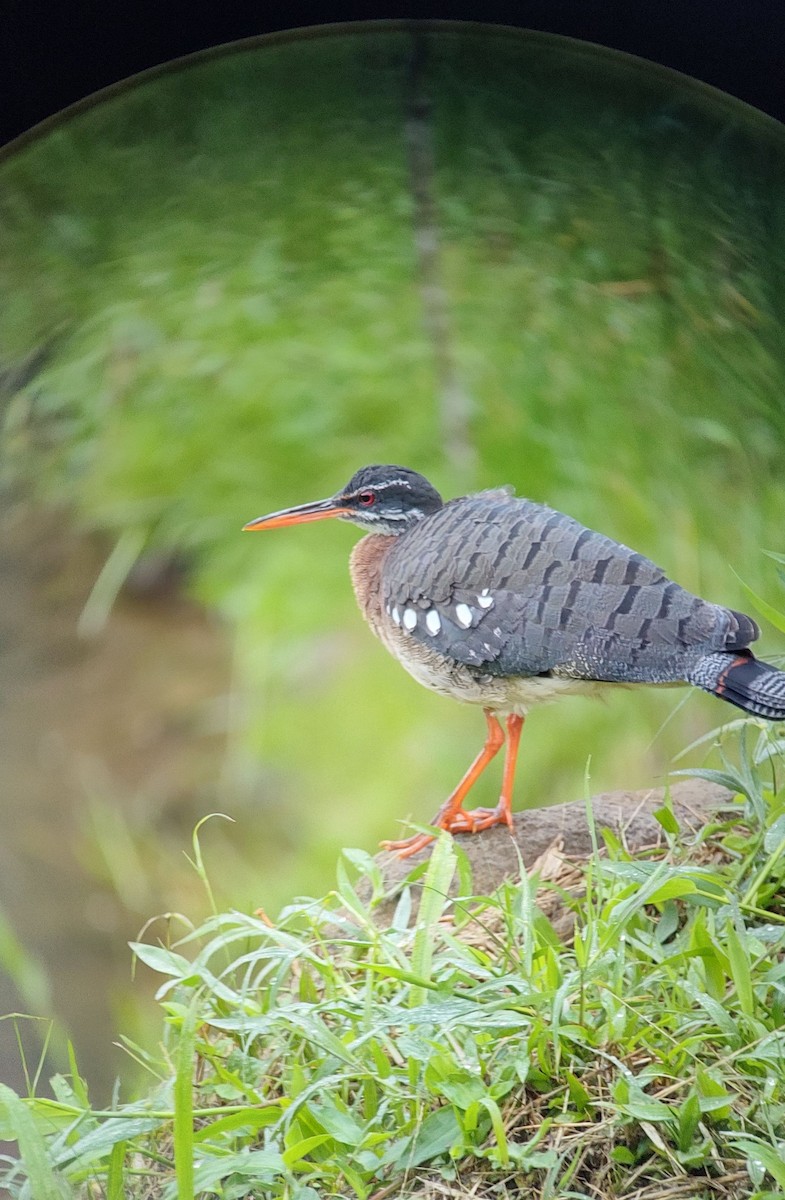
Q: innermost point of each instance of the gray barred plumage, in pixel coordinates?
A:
(566, 600)
(490, 588)
(504, 603)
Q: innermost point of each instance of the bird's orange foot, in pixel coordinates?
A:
(461, 821)
(479, 818)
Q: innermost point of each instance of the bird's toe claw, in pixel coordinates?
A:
(405, 847)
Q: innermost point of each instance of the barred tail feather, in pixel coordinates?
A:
(754, 686)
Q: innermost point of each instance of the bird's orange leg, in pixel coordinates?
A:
(484, 818)
(452, 816)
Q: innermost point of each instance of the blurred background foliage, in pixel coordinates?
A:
(216, 290)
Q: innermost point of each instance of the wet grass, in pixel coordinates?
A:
(473, 1051)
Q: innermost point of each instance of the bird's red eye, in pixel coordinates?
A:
(366, 499)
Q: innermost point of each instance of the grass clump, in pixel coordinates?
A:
(469, 1051)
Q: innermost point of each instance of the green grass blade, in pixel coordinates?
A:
(115, 1175)
(184, 1107)
(772, 614)
(740, 966)
(759, 1153)
(111, 578)
(499, 1132)
(44, 1184)
(435, 894)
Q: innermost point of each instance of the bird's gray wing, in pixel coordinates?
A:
(511, 587)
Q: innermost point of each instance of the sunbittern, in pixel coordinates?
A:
(504, 603)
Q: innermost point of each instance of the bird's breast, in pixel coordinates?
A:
(365, 567)
(436, 671)
(428, 667)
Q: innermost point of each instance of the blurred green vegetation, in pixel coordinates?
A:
(220, 264)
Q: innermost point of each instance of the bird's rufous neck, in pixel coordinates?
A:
(365, 568)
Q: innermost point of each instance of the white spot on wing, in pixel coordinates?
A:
(432, 622)
(484, 600)
(409, 618)
(396, 616)
(463, 615)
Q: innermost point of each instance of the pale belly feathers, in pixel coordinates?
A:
(499, 694)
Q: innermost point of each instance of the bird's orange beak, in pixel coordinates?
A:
(316, 510)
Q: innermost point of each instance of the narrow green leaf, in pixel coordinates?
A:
(471, 1115)
(387, 971)
(764, 1154)
(774, 841)
(183, 1126)
(461, 1088)
(380, 1060)
(578, 1094)
(110, 579)
(665, 817)
(668, 922)
(713, 1095)
(672, 889)
(612, 842)
(713, 1007)
(439, 1131)
(645, 1110)
(298, 1150)
(260, 1166)
(370, 1098)
(765, 609)
(348, 894)
(739, 961)
(100, 1141)
(77, 1083)
(643, 1107)
(499, 1131)
(623, 1155)
(338, 1121)
(722, 778)
(436, 883)
(249, 1118)
(115, 1174)
(433, 901)
(164, 961)
(403, 911)
(44, 1184)
(715, 963)
(689, 1115)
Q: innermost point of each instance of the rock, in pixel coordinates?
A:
(551, 841)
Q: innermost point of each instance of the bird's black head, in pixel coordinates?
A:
(387, 499)
(378, 499)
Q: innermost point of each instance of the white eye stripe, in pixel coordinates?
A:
(387, 483)
(380, 487)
